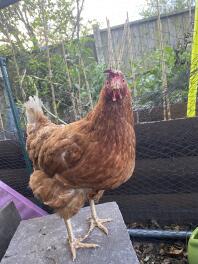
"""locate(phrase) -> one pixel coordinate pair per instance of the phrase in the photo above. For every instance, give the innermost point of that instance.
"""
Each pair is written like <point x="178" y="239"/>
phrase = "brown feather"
<point x="80" y="160"/>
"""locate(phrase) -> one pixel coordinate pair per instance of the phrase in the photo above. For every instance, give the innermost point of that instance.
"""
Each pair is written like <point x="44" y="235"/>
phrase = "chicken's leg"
<point x="95" y="221"/>
<point x="76" y="243"/>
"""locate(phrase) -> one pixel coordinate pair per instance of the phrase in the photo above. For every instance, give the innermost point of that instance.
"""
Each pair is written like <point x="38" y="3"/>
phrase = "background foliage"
<point x="49" y="53"/>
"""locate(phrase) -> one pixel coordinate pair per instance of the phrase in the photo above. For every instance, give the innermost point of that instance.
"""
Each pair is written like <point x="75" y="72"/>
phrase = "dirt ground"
<point x="160" y="252"/>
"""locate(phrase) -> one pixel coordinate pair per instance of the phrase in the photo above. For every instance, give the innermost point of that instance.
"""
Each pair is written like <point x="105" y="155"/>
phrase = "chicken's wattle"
<point x="116" y="94"/>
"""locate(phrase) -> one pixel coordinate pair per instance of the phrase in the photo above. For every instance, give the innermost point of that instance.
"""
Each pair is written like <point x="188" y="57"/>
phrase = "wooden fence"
<point x="176" y="28"/>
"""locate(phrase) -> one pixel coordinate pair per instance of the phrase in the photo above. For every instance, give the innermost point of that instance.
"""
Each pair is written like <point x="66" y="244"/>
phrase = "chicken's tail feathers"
<point x="33" y="109"/>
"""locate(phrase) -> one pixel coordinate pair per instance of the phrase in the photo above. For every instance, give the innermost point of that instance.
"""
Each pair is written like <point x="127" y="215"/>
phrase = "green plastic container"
<point x="193" y="247"/>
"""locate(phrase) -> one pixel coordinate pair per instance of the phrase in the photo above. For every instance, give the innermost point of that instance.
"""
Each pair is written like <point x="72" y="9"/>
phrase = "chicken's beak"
<point x="116" y="91"/>
<point x="115" y="86"/>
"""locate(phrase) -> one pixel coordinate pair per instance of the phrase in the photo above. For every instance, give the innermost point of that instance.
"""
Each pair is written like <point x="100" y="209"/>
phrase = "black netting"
<point x="13" y="170"/>
<point x="164" y="184"/>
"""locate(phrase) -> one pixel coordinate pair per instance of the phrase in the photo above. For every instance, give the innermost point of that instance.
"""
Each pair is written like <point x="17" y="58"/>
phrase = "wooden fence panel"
<point x="144" y="35"/>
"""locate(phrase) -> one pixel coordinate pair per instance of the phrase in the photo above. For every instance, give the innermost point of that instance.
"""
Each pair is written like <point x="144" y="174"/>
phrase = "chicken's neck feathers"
<point x="108" y="118"/>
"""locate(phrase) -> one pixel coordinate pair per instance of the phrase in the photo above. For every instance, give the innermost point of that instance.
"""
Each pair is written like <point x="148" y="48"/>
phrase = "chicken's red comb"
<point x="112" y="73"/>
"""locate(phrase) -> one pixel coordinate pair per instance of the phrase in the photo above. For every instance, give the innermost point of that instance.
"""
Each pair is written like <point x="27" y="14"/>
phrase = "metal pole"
<point x="159" y="234"/>
<point x="193" y="82"/>
<point x="14" y="112"/>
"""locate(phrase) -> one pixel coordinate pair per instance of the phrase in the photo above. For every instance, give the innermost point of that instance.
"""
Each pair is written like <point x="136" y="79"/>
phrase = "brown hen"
<point x="78" y="161"/>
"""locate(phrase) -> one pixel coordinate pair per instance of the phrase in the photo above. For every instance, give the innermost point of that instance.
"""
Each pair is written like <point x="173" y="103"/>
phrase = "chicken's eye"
<point x="107" y="83"/>
<point x="123" y="80"/>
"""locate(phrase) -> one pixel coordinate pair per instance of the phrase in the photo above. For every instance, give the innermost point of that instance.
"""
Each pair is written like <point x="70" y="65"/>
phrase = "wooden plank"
<point x="98" y="44"/>
<point x="162" y="176"/>
<point x="134" y="34"/>
<point x="167" y="140"/>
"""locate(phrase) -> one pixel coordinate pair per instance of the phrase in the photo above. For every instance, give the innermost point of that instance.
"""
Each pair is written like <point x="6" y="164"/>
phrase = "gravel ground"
<point x="159" y="252"/>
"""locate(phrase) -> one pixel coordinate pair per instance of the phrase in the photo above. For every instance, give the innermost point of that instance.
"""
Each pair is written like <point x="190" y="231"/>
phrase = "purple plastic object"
<point x="25" y="207"/>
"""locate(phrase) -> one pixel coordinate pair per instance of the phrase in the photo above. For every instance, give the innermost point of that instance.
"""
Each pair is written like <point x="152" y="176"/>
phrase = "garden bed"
<point x="161" y="252"/>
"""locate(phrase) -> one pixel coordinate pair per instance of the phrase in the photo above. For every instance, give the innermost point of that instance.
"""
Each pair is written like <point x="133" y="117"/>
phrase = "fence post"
<point x="14" y="111"/>
<point x="98" y="44"/>
<point x="166" y="104"/>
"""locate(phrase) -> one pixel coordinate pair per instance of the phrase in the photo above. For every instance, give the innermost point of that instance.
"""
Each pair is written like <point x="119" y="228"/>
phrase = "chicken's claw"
<point x="76" y="243"/>
<point x="99" y="224"/>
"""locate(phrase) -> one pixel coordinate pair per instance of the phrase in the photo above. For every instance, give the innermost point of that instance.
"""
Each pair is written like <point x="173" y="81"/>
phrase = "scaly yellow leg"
<point x="76" y="243"/>
<point x="95" y="221"/>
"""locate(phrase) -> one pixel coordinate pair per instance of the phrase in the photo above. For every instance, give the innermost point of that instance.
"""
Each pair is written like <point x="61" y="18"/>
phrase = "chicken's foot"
<point x="76" y="243"/>
<point x="95" y="221"/>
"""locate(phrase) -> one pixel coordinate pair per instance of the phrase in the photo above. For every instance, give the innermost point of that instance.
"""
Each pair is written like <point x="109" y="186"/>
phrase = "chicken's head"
<point x="115" y="85"/>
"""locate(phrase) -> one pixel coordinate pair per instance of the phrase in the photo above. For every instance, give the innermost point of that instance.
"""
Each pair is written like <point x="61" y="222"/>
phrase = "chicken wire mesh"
<point x="13" y="166"/>
<point x="164" y="185"/>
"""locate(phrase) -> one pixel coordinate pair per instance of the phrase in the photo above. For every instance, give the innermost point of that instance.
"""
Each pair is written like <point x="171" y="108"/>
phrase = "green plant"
<point x="148" y="77"/>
